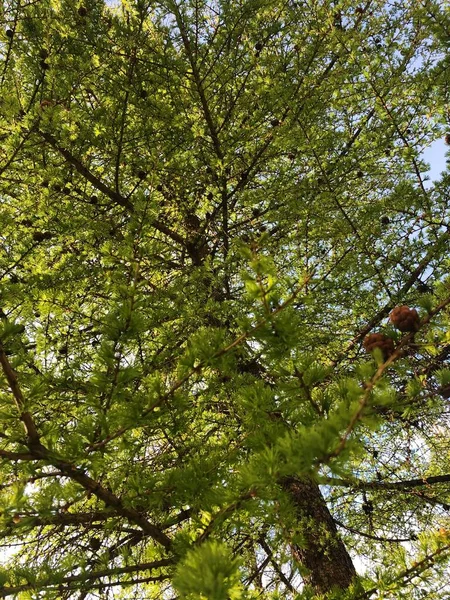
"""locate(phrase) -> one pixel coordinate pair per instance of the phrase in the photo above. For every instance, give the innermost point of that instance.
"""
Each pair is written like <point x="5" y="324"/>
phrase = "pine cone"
<point x="381" y="341"/>
<point x="405" y="318"/>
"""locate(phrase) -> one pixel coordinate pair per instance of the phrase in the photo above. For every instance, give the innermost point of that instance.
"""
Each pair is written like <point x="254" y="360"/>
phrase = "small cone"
<point x="381" y="341"/>
<point x="405" y="318"/>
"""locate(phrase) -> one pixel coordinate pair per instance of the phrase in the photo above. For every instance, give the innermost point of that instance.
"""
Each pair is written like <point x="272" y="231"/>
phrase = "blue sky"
<point x="434" y="155"/>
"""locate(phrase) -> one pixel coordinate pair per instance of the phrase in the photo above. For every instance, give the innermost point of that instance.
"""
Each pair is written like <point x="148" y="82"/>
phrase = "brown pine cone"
<point x="381" y="341"/>
<point x="405" y="318"/>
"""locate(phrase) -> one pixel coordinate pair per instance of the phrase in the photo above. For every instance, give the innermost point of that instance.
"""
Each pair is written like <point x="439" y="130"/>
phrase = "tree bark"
<point x="323" y="552"/>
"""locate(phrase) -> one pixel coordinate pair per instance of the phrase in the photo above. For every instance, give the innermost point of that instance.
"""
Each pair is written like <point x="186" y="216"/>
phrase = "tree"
<point x="209" y="211"/>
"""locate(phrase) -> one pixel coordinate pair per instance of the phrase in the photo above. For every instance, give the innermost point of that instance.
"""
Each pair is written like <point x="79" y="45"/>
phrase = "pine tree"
<point x="224" y="299"/>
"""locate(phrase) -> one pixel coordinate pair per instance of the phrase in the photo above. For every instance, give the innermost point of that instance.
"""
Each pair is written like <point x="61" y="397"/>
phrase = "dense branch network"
<point x="210" y="210"/>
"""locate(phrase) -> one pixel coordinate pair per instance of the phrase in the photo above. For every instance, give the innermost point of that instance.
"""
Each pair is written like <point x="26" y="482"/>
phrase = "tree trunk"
<point x="323" y="553"/>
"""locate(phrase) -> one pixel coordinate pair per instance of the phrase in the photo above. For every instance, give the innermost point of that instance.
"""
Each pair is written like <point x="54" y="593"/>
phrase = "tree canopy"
<point x="225" y="291"/>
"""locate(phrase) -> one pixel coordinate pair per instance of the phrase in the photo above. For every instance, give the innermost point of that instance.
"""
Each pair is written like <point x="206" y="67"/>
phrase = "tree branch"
<point x="17" y="455"/>
<point x="25" y="416"/>
<point x="104" y="494"/>
<point x="67" y="519"/>
<point x="377" y="538"/>
<point x="386" y="485"/>
<point x="70" y="470"/>
<point x="370" y="385"/>
<point x="408" y="574"/>
<point x="275" y="565"/>
<point x="84" y="171"/>
<point x="9" y="591"/>
<point x="434" y="248"/>
<point x="102" y="187"/>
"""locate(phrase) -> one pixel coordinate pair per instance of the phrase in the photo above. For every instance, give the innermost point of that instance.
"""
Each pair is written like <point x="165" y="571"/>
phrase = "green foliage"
<point x="206" y="207"/>
<point x="209" y="572"/>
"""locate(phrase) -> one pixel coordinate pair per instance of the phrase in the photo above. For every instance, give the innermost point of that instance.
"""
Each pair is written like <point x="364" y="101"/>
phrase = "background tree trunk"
<point x="323" y="554"/>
